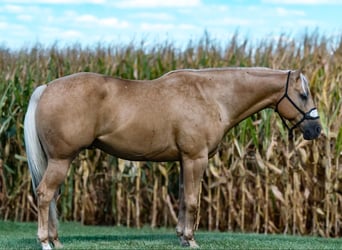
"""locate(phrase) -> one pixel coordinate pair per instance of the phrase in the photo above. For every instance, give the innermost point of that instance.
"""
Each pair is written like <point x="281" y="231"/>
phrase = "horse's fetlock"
<point x="188" y="234"/>
<point x="179" y="230"/>
<point x="43" y="237"/>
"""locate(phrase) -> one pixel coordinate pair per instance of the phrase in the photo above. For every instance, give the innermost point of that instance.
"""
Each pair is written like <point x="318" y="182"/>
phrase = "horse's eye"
<point x="304" y="97"/>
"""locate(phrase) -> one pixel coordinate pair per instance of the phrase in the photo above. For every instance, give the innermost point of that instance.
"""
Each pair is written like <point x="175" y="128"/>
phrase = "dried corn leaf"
<point x="306" y="193"/>
<point x="278" y="195"/>
<point x="163" y="170"/>
<point x="320" y="211"/>
<point x="121" y="165"/>
<point x="238" y="148"/>
<point x="221" y="181"/>
<point x="214" y="171"/>
<point x="301" y="144"/>
<point x="303" y="155"/>
<point x="315" y="154"/>
<point x="274" y="169"/>
<point x="270" y="149"/>
<point x="250" y="197"/>
<point x="217" y="160"/>
<point x="260" y="162"/>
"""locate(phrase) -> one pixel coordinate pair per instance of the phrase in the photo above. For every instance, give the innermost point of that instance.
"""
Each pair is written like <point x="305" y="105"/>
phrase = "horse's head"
<point x="297" y="106"/>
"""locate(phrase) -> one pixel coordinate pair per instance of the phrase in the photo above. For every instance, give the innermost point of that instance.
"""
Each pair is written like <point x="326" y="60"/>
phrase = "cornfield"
<point x="259" y="181"/>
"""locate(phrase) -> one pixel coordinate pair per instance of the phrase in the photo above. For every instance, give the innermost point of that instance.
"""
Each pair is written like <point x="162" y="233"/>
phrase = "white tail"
<point x="36" y="157"/>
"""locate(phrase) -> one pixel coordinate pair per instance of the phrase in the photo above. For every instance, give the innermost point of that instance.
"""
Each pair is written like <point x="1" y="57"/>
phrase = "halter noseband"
<point x="312" y="114"/>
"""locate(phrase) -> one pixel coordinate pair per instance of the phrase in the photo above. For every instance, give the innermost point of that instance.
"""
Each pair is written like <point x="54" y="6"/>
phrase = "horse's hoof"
<point x="46" y="246"/>
<point x="187" y="243"/>
<point x="57" y="244"/>
<point x="183" y="242"/>
<point x="193" y="244"/>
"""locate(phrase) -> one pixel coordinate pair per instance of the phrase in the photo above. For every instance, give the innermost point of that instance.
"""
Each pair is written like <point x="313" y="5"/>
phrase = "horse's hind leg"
<point x="53" y="177"/>
<point x="53" y="223"/>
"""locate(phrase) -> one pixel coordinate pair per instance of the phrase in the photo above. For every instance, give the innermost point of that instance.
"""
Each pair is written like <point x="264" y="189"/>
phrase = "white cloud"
<point x="27" y="10"/>
<point x="184" y="26"/>
<point x="11" y="8"/>
<point x="111" y="21"/>
<point x="32" y="2"/>
<point x="156" y="3"/>
<point x="155" y="16"/>
<point x="19" y="31"/>
<point x="84" y="18"/>
<point x="55" y="33"/>
<point x="237" y="21"/>
<point x="286" y="12"/>
<point x="25" y="18"/>
<point x="303" y="23"/>
<point x="71" y="34"/>
<point x="303" y="2"/>
<point x="3" y="25"/>
<point x="90" y="20"/>
<point x="156" y="26"/>
<point x="159" y="27"/>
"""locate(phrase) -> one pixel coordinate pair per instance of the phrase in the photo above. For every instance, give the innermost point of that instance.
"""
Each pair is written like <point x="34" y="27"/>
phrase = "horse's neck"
<point x="248" y="92"/>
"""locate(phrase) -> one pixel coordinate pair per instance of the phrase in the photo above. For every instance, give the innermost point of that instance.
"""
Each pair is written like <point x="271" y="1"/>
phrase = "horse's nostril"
<point x="312" y="133"/>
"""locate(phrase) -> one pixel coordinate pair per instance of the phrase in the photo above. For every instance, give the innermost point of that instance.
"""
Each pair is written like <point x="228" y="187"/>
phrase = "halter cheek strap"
<point x="312" y="114"/>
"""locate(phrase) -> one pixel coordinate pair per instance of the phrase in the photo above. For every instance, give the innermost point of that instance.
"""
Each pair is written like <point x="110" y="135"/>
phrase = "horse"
<point x="180" y="116"/>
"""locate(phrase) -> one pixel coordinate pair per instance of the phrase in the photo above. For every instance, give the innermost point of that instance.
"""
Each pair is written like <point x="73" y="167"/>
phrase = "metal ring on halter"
<point x="312" y="114"/>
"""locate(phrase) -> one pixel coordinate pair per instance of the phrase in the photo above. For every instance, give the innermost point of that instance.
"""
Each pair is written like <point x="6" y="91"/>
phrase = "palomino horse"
<point x="181" y="116"/>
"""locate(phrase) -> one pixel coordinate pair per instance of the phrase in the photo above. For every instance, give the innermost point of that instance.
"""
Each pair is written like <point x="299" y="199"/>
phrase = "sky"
<point x="24" y="23"/>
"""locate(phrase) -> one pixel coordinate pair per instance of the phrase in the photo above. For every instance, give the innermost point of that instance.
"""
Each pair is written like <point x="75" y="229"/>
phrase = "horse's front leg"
<point x="193" y="169"/>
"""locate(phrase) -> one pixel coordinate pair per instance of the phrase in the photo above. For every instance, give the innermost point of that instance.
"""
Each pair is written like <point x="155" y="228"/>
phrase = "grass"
<point x="15" y="235"/>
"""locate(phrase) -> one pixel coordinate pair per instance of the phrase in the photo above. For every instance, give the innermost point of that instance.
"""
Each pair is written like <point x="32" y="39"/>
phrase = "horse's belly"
<point x="138" y="150"/>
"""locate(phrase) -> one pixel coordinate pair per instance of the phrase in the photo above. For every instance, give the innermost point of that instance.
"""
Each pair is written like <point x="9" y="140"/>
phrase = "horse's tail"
<point x="36" y="156"/>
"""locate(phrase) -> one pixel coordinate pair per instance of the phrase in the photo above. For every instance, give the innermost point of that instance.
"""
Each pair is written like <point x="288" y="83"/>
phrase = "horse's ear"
<point x="298" y="72"/>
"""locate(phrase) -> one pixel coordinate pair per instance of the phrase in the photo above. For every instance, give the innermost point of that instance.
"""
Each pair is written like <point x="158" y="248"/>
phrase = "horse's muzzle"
<point x="311" y="130"/>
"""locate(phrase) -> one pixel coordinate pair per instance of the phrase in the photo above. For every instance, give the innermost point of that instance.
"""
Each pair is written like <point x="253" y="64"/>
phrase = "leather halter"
<point x="312" y="114"/>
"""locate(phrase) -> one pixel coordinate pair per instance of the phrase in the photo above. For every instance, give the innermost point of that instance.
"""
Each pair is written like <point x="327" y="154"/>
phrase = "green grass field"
<point x="15" y="235"/>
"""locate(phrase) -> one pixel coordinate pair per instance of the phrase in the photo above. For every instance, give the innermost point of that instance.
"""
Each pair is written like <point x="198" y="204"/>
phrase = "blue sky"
<point x="88" y="22"/>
